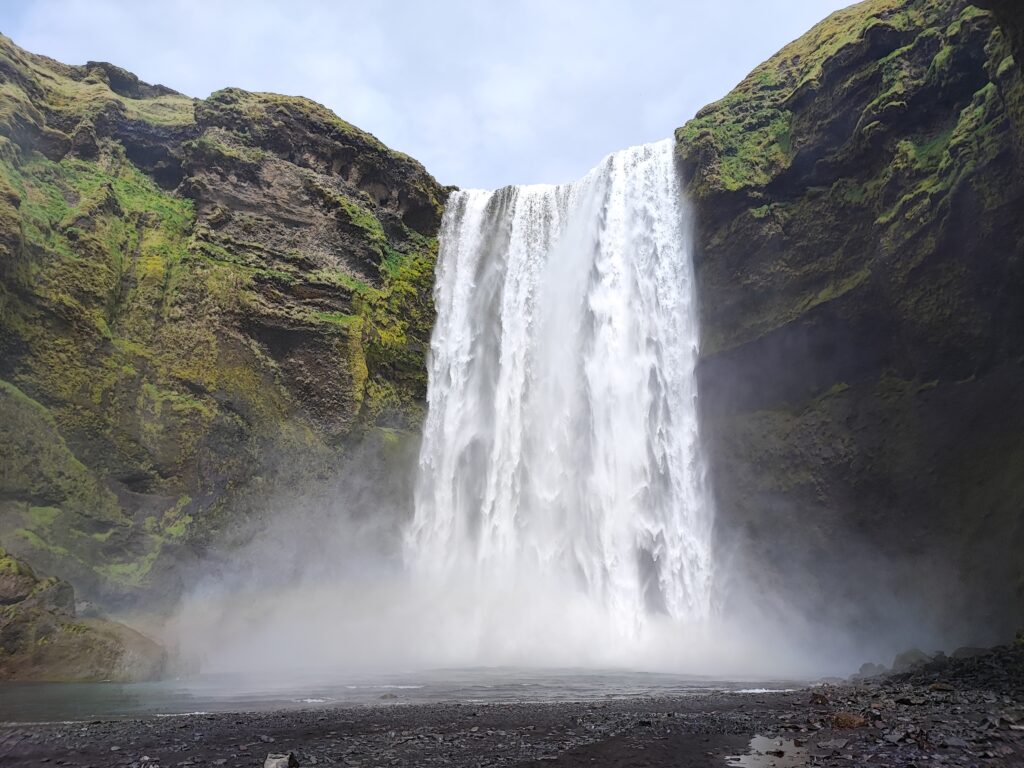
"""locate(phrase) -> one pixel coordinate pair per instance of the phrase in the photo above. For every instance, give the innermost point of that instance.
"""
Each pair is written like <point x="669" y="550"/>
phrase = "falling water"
<point x="562" y="440"/>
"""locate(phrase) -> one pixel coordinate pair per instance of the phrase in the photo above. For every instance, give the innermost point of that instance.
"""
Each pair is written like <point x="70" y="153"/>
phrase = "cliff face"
<point x="205" y="301"/>
<point x="860" y="206"/>
<point x="201" y="301"/>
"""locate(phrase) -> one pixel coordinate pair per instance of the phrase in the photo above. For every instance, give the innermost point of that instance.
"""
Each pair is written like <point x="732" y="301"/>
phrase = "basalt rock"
<point x="860" y="264"/>
<point x="41" y="638"/>
<point x="202" y="302"/>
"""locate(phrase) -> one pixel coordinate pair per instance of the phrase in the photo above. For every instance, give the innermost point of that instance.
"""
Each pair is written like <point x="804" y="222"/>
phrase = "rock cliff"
<point x="201" y="302"/>
<point x="204" y="302"/>
<point x="860" y="209"/>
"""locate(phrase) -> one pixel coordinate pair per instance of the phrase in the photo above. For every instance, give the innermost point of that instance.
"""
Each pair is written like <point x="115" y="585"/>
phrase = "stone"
<point x="281" y="761"/>
<point x="44" y="641"/>
<point x="908" y="660"/>
<point x="17" y="580"/>
<point x="833" y="744"/>
<point x="869" y="669"/>
<point x="848" y="720"/>
<point x="969" y="652"/>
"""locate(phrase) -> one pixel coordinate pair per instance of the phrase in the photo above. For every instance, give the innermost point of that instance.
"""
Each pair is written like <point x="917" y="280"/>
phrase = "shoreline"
<point x="946" y="712"/>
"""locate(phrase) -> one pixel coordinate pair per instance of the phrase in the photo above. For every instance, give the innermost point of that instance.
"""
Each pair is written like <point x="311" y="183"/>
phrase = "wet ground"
<point x="964" y="712"/>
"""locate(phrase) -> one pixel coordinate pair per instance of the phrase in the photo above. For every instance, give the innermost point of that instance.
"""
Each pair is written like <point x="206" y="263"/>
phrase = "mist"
<point x="325" y="590"/>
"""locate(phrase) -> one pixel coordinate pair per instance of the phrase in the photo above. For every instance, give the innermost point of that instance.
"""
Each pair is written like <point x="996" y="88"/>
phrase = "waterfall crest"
<point x="562" y="440"/>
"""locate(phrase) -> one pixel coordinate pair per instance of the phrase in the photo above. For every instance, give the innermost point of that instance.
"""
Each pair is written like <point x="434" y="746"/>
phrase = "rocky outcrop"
<point x="41" y="639"/>
<point x="858" y="199"/>
<point x="201" y="302"/>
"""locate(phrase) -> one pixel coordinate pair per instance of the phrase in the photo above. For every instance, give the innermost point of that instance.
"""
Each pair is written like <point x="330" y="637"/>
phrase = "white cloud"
<point x="483" y="93"/>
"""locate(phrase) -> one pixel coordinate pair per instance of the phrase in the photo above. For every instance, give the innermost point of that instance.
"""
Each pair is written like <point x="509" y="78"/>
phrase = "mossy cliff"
<point x="201" y="302"/>
<point x="859" y="200"/>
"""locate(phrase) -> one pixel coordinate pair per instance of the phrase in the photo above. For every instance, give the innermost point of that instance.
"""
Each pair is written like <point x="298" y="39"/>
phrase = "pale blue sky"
<point x="484" y="93"/>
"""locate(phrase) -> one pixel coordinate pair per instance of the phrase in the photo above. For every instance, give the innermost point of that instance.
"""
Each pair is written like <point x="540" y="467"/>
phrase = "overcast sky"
<point x="483" y="92"/>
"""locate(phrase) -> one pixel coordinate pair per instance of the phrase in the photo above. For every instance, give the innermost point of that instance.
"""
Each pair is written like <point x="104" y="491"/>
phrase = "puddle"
<point x="770" y="753"/>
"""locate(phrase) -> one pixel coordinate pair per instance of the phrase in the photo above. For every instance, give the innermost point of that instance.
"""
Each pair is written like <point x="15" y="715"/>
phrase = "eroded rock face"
<point x="40" y="638"/>
<point x="201" y="303"/>
<point x="861" y="268"/>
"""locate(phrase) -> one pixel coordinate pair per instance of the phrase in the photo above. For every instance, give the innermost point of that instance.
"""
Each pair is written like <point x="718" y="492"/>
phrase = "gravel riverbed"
<point x="948" y="712"/>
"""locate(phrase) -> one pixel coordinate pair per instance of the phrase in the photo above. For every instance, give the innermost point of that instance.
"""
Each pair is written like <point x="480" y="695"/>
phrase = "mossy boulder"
<point x="860" y="266"/>
<point x="41" y="640"/>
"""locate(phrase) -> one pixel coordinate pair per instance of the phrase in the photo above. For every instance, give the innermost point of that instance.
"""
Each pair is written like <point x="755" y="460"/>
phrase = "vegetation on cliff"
<point x="861" y="271"/>
<point x="200" y="301"/>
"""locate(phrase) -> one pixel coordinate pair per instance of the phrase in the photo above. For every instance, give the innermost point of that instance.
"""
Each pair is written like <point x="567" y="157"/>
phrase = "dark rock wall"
<point x="860" y="207"/>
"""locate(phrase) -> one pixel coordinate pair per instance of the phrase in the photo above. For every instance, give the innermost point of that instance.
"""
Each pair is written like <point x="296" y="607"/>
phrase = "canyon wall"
<point x="207" y="305"/>
<point x="202" y="302"/>
<point x="860" y="207"/>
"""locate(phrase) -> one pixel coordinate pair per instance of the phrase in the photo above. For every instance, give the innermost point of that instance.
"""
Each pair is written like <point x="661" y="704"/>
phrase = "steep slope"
<point x="201" y="301"/>
<point x="860" y="207"/>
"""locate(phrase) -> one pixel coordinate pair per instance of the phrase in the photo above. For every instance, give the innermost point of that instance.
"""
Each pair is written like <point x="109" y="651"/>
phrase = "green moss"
<point x="397" y="336"/>
<point x="216" y="145"/>
<point x="342" y="279"/>
<point x="84" y="97"/>
<point x="43" y="517"/>
<point x="745" y="140"/>
<point x="902" y="171"/>
<point x="354" y="217"/>
<point x="340" y="319"/>
<point x="133" y="573"/>
<point x="34" y="540"/>
<point x="36" y="463"/>
<point x="179" y="528"/>
<point x="251" y="113"/>
<point x="9" y="564"/>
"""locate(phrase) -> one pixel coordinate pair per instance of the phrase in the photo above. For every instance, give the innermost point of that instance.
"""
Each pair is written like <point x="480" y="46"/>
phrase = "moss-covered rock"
<point x="201" y="302"/>
<point x="861" y="269"/>
<point x="42" y="640"/>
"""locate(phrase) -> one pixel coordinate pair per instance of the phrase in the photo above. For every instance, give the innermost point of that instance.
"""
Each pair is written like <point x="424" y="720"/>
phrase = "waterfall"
<point x="561" y="442"/>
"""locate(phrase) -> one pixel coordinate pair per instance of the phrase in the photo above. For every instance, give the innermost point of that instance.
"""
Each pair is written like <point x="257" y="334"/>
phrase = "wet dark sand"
<point x="965" y="712"/>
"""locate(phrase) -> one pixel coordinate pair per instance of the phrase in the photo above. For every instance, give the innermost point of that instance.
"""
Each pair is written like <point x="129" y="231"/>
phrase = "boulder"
<point x="281" y="761"/>
<point x="969" y="652"/>
<point x="848" y="720"/>
<point x="869" y="669"/>
<point x="17" y="580"/>
<point x="42" y="640"/>
<point x="909" y="660"/>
